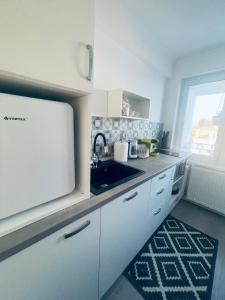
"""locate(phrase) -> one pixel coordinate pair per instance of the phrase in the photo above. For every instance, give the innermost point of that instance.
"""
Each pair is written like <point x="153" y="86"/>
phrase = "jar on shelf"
<point x="125" y="107"/>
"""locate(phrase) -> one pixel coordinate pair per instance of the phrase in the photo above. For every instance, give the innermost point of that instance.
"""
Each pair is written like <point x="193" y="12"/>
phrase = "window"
<point x="201" y="121"/>
<point x="205" y="123"/>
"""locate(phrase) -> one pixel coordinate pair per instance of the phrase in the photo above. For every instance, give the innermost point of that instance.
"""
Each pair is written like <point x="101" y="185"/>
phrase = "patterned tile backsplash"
<point x="113" y="127"/>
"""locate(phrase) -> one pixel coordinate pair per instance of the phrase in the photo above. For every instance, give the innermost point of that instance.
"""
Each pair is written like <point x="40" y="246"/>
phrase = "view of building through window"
<point x="205" y="123"/>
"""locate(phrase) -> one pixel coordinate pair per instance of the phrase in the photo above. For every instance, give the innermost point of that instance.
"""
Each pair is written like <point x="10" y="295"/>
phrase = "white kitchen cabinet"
<point x="137" y="107"/>
<point x="161" y="188"/>
<point x="56" y="267"/>
<point x="99" y="103"/>
<point x="47" y="40"/>
<point x="124" y="230"/>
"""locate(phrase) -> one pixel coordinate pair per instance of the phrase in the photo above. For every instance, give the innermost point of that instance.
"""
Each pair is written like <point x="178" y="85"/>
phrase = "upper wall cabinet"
<point x="124" y="104"/>
<point x="99" y="103"/>
<point x="51" y="41"/>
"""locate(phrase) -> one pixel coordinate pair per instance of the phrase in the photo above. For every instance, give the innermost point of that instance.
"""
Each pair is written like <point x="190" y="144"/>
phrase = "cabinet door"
<point x="56" y="267"/>
<point x="46" y="40"/>
<point x="124" y="230"/>
<point x="99" y="103"/>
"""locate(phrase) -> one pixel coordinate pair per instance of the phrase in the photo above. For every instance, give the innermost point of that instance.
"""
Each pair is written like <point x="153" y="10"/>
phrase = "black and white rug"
<point x="177" y="263"/>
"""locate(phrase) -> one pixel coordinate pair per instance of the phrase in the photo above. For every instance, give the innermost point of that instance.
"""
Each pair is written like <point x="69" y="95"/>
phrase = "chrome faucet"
<point x="95" y="157"/>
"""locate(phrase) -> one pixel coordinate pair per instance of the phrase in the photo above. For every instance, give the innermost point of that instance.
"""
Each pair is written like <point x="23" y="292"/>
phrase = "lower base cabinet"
<point x="124" y="230"/>
<point x="63" y="265"/>
<point x="78" y="262"/>
<point x="128" y="222"/>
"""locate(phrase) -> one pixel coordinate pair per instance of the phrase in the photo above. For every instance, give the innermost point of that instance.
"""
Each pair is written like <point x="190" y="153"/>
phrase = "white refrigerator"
<point x="36" y="152"/>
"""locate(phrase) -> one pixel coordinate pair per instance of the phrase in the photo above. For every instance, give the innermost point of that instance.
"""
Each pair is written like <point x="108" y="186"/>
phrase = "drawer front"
<point x="160" y="200"/>
<point x="160" y="181"/>
<point x="159" y="208"/>
<point x="158" y="214"/>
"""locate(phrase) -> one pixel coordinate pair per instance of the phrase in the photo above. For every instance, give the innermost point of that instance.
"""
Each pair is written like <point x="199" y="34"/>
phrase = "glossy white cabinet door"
<point x="46" y="40"/>
<point x="124" y="230"/>
<point x="56" y="268"/>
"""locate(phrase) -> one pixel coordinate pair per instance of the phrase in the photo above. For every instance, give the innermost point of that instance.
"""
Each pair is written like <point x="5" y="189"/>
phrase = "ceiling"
<point x="182" y="26"/>
<point x="168" y="28"/>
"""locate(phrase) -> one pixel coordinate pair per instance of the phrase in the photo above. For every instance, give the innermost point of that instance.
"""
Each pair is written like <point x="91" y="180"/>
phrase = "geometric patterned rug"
<point x="176" y="263"/>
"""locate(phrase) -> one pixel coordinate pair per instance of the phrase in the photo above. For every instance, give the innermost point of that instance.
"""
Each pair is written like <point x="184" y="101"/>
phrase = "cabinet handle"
<point x="82" y="227"/>
<point x="91" y="59"/>
<point x="157" y="212"/>
<point x="163" y="176"/>
<point x="130" y="197"/>
<point x="160" y="192"/>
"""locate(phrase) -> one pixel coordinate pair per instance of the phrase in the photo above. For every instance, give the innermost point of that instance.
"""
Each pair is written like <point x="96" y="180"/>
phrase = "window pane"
<point x="205" y="123"/>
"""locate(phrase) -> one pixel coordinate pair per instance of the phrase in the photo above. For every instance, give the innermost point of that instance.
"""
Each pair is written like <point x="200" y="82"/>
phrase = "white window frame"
<point x="184" y="107"/>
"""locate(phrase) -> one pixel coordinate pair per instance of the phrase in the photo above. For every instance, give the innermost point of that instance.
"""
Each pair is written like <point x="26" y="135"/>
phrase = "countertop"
<point x="22" y="238"/>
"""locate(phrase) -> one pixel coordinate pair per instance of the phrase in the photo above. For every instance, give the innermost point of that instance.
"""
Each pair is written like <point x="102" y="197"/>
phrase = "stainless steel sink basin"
<point x="110" y="174"/>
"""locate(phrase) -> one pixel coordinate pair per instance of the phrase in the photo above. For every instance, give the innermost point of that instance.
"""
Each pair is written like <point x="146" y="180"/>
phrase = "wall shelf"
<point x="138" y="107"/>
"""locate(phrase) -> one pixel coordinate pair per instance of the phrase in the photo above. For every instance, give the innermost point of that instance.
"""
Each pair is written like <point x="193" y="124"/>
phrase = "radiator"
<point x="207" y="187"/>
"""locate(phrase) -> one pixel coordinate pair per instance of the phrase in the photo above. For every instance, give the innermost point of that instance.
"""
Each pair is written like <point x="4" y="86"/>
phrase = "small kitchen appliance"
<point x="36" y="152"/>
<point x="132" y="149"/>
<point x="153" y="147"/>
<point x="151" y="144"/>
<point x="143" y="151"/>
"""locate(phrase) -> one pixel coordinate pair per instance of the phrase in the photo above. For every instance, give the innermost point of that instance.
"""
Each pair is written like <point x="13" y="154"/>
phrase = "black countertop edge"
<point x="26" y="236"/>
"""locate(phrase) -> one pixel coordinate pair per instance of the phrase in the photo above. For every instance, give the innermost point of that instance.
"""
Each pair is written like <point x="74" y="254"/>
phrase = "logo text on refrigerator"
<point x="14" y="118"/>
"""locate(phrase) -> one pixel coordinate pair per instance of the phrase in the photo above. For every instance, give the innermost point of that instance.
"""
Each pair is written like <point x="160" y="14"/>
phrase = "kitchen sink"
<point x="110" y="174"/>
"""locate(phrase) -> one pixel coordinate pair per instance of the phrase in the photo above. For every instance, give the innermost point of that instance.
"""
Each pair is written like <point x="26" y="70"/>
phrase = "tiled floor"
<point x="206" y="221"/>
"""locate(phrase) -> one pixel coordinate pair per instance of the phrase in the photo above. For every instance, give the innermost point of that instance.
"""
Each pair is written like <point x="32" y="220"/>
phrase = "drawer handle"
<point x="157" y="212"/>
<point x="130" y="197"/>
<point x="163" y="176"/>
<point x="79" y="229"/>
<point x="160" y="192"/>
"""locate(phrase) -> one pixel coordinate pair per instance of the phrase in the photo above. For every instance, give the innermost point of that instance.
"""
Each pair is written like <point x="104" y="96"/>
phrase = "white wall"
<point x="120" y="20"/>
<point x="117" y="67"/>
<point x="201" y="63"/>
